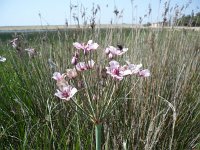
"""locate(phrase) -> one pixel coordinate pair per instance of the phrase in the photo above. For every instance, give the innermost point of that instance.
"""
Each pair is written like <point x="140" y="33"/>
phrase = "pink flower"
<point x="71" y="73"/>
<point x="74" y="60"/>
<point x="58" y="77"/>
<point x="78" y="45"/>
<point x="92" y="46"/>
<point x="144" y="73"/>
<point x="14" y="42"/>
<point x="134" y="68"/>
<point x="66" y="92"/>
<point x="86" y="47"/>
<point x="81" y="66"/>
<point x="31" y="52"/>
<point x="112" y="51"/>
<point x="117" y="71"/>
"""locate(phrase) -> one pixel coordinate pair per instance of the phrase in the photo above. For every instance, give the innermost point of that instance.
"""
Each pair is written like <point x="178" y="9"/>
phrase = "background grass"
<point x="161" y="112"/>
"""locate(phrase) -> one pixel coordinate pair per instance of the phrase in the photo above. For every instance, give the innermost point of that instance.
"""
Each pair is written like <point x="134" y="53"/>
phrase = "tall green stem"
<point x="98" y="136"/>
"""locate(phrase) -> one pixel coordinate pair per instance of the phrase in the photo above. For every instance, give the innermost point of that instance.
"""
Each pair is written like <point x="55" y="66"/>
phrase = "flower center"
<point x="116" y="71"/>
<point x="65" y="94"/>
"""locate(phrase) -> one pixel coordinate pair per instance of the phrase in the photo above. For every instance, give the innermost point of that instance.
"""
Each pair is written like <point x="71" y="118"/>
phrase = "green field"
<point x="159" y="112"/>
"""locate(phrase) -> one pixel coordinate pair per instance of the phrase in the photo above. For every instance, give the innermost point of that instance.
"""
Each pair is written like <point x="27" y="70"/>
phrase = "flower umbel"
<point x="97" y="95"/>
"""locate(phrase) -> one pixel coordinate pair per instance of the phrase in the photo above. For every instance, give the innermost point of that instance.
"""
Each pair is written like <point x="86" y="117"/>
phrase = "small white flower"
<point x="2" y="59"/>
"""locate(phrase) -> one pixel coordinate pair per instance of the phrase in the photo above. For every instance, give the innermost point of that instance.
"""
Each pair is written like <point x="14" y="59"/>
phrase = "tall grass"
<point x="162" y="112"/>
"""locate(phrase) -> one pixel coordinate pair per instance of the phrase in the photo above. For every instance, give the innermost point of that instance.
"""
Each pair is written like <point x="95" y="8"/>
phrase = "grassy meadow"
<point x="159" y="112"/>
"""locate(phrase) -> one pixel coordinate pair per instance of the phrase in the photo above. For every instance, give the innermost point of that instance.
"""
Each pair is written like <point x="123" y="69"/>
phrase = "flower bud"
<point x="74" y="60"/>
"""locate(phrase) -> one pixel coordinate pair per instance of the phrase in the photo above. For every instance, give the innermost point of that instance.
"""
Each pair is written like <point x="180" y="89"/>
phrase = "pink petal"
<point x="74" y="60"/>
<point x="144" y="73"/>
<point x="89" y="42"/>
<point x="59" y="94"/>
<point x="81" y="66"/>
<point x="107" y="50"/>
<point x="117" y="77"/>
<point x="127" y="72"/>
<point x="134" y="68"/>
<point x="91" y="46"/>
<point x="94" y="46"/>
<point x="73" y="91"/>
<point x="114" y="64"/>
<point x="57" y="76"/>
<point x="91" y="63"/>
<point x="125" y="49"/>
<point x="110" y="56"/>
<point x="116" y="51"/>
<point x="78" y="45"/>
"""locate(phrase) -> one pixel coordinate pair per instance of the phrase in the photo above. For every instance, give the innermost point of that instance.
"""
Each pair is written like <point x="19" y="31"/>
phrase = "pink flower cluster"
<point x="82" y="66"/>
<point x="113" y="51"/>
<point x="115" y="70"/>
<point x="17" y="45"/>
<point x="118" y="72"/>
<point x="64" y="91"/>
<point x="90" y="46"/>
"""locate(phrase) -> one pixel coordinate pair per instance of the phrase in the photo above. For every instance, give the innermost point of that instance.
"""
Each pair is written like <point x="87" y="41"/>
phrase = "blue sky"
<point x="55" y="12"/>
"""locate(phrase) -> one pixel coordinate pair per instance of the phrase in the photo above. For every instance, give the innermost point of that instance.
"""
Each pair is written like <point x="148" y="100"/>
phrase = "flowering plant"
<point x="19" y="46"/>
<point x="95" y="84"/>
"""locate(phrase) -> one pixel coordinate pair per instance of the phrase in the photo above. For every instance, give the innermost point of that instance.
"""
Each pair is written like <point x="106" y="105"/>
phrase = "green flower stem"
<point x="81" y="109"/>
<point x="107" y="104"/>
<point x="88" y="98"/>
<point x="98" y="135"/>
